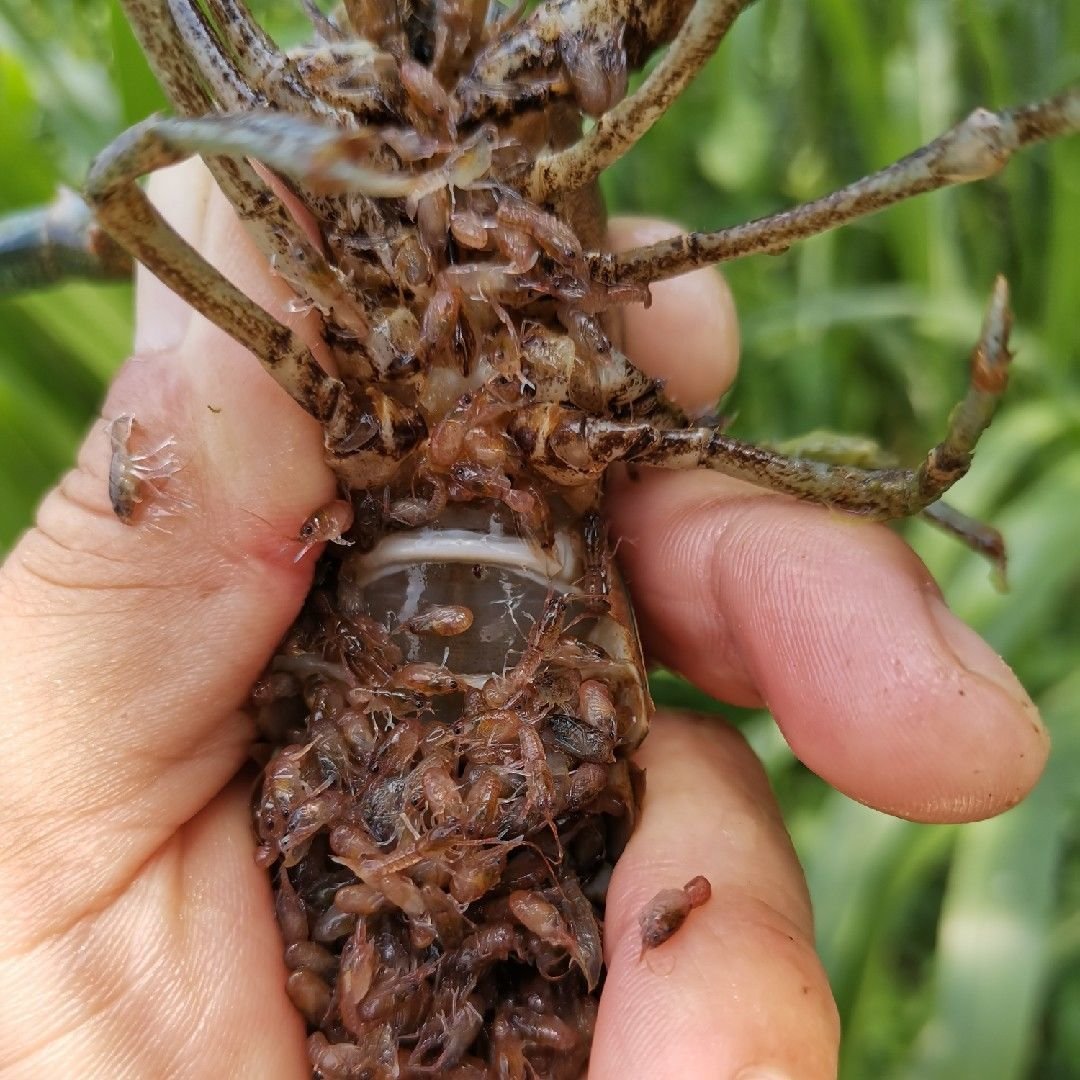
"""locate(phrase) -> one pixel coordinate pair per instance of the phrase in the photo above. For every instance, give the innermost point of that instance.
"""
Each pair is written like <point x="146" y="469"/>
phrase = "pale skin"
<point x="137" y="935"/>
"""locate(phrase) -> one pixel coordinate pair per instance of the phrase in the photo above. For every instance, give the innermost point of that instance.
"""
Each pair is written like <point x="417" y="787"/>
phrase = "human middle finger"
<point x="737" y="993"/>
<point x="689" y="335"/>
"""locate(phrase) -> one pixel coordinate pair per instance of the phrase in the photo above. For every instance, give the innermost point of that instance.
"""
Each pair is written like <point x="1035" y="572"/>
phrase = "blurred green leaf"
<point x="29" y="178"/>
<point x="139" y="92"/>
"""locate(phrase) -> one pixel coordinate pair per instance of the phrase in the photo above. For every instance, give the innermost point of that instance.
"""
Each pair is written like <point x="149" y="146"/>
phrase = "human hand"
<point x="836" y="626"/>
<point x="137" y="936"/>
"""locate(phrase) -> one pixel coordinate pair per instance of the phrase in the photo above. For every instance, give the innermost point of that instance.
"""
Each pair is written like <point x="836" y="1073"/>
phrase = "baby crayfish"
<point x="134" y="476"/>
<point x="668" y="909"/>
<point x="329" y="523"/>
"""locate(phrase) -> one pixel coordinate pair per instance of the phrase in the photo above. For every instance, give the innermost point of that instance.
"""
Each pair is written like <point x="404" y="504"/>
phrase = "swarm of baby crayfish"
<point x="443" y="849"/>
<point x="454" y="710"/>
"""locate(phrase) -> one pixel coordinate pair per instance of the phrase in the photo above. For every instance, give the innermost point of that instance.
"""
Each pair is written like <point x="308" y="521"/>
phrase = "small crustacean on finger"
<point x="329" y="523"/>
<point x="667" y="911"/>
<point x="134" y="477"/>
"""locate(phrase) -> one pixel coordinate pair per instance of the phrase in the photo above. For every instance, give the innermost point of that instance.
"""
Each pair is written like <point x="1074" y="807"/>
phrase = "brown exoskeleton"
<point x="454" y="712"/>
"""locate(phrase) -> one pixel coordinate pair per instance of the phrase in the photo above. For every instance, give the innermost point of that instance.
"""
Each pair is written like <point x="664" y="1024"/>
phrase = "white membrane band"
<point x="399" y="551"/>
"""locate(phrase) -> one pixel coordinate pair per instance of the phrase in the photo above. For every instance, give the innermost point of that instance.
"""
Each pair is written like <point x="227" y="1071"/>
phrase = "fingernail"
<point x="975" y="656"/>
<point x="762" y="1072"/>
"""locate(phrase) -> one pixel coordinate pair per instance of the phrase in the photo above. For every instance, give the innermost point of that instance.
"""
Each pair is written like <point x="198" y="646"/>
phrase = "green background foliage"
<point x="953" y="952"/>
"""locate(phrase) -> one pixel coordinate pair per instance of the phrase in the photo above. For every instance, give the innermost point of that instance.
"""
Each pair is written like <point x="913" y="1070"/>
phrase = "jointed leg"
<point x="123" y="209"/>
<point x="179" y="76"/>
<point x="312" y="153"/>
<point x="326" y="29"/>
<point x="362" y="434"/>
<point x="163" y="48"/>
<point x="981" y="538"/>
<point x="566" y="444"/>
<point x="184" y="51"/>
<point x="976" y="148"/>
<point x="273" y="230"/>
<point x="167" y="52"/>
<point x="62" y="240"/>
<point x="623" y="125"/>
<point x="259" y="60"/>
<point x="834" y="449"/>
<point x="285" y="247"/>
<point x="224" y="78"/>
